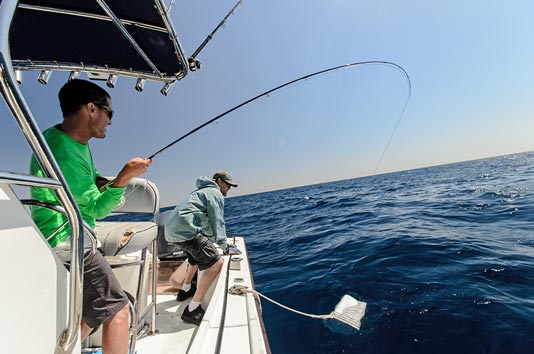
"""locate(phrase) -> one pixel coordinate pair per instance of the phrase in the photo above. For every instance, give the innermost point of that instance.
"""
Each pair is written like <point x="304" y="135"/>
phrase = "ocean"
<point x="443" y="256"/>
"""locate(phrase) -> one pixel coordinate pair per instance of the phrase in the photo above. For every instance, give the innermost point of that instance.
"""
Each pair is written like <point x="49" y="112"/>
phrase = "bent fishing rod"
<point x="266" y="93"/>
<point x="305" y="77"/>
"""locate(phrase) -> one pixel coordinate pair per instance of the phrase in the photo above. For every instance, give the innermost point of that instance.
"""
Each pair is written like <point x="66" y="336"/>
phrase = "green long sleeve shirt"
<point x="76" y="163"/>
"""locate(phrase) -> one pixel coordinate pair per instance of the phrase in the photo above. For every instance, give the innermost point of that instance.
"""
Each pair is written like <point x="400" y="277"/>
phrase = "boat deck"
<point x="173" y="334"/>
<point x="232" y="323"/>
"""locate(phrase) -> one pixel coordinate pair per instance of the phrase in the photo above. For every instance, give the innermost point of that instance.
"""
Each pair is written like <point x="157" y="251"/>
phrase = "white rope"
<point x="349" y="310"/>
<point x="242" y="290"/>
<point x="324" y="317"/>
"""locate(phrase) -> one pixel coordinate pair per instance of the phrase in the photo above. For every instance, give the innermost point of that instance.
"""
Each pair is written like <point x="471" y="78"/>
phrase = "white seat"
<point x="120" y="238"/>
<point x="141" y="196"/>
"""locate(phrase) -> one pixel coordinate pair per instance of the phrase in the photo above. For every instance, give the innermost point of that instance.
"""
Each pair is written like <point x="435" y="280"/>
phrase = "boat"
<point x="41" y="301"/>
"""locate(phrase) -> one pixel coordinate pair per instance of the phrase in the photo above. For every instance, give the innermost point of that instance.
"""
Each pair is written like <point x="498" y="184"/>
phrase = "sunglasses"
<point x="227" y="184"/>
<point x="106" y="109"/>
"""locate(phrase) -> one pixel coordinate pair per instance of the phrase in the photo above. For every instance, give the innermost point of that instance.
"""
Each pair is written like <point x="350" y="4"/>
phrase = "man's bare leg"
<point x="115" y="333"/>
<point x="204" y="282"/>
<point x="86" y="330"/>
<point x="178" y="277"/>
<point x="191" y="270"/>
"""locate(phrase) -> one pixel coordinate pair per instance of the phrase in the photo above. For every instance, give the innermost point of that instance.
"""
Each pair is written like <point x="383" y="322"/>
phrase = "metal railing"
<point x="23" y="116"/>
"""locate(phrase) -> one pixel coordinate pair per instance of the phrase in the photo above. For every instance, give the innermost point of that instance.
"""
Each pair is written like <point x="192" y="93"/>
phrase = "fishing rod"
<point x="194" y="63"/>
<point x="266" y="93"/>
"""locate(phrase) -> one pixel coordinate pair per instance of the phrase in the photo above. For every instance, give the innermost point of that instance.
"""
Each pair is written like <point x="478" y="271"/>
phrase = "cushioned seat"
<point x="118" y="238"/>
<point x="141" y="196"/>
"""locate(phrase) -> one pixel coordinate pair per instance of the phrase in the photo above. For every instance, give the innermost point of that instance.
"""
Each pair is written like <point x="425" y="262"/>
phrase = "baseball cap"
<point x="225" y="176"/>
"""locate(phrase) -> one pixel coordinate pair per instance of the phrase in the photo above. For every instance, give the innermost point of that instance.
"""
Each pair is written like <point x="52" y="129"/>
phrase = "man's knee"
<point x="122" y="316"/>
<point x="125" y="312"/>
<point x="219" y="264"/>
<point x="216" y="267"/>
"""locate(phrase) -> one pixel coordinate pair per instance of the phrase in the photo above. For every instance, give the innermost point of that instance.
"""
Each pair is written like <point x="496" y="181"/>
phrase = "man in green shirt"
<point x="87" y="111"/>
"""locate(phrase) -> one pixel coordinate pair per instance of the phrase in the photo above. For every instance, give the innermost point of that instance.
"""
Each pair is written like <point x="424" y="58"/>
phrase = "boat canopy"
<point x="101" y="37"/>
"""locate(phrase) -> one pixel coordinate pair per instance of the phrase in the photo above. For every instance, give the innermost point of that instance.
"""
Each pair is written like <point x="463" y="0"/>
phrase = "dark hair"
<point x="76" y="93"/>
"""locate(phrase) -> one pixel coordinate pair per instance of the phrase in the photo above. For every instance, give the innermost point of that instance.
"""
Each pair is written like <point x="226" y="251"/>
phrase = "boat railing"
<point x="23" y="116"/>
<point x="28" y="180"/>
<point x="41" y="182"/>
<point x="59" y="209"/>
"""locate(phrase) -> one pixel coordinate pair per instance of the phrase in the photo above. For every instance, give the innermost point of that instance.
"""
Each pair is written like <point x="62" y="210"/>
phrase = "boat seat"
<point x="141" y="196"/>
<point x="167" y="250"/>
<point x="120" y="238"/>
<point x="125" y="237"/>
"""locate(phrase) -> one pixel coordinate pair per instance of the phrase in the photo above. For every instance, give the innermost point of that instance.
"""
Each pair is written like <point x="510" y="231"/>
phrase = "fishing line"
<point x="395" y="127"/>
<point x="305" y="77"/>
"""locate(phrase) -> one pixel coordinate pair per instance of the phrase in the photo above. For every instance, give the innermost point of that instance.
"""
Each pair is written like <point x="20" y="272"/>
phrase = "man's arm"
<point x="81" y="182"/>
<point x="133" y="168"/>
<point x="107" y="199"/>
<point x="215" y="209"/>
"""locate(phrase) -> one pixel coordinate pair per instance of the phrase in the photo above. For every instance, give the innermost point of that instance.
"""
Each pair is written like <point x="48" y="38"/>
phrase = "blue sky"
<point x="471" y="65"/>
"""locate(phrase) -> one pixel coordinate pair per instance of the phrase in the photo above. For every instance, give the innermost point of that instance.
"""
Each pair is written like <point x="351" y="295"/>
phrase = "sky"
<point x="471" y="65"/>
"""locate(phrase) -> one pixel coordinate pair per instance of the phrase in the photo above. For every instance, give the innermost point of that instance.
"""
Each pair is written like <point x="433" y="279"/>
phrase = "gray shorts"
<point x="200" y="251"/>
<point x="103" y="296"/>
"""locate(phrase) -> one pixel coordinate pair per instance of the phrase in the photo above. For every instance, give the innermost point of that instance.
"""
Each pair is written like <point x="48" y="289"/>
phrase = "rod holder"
<point x="165" y="89"/>
<point x="139" y="85"/>
<point x="44" y="76"/>
<point x="112" y="79"/>
<point x="194" y="64"/>
<point x="73" y="75"/>
<point x="18" y="76"/>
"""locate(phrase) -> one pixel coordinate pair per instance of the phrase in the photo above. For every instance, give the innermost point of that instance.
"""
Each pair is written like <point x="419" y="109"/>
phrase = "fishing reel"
<point x="194" y="64"/>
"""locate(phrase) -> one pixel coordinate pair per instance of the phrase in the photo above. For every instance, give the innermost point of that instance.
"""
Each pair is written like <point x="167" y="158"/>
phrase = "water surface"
<point x="443" y="256"/>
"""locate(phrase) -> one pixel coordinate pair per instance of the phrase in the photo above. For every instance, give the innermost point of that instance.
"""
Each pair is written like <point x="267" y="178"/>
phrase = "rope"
<point x="241" y="290"/>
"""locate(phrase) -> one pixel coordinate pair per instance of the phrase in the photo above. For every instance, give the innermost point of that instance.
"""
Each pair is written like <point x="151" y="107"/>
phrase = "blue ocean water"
<point x="443" y="257"/>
